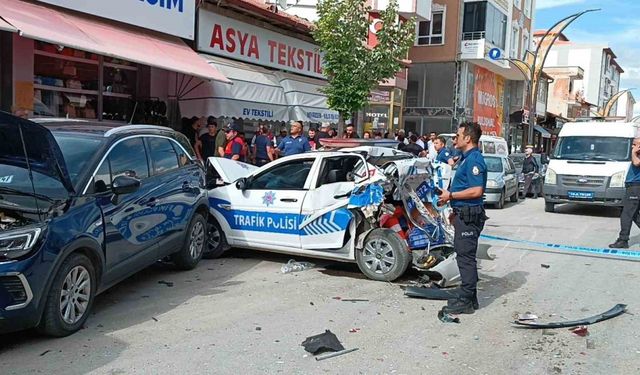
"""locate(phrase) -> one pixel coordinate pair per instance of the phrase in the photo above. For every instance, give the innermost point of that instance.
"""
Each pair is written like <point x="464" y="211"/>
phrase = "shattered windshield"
<point x="593" y="148"/>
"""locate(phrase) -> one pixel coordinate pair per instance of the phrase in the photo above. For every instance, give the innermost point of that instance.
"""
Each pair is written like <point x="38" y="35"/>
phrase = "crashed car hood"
<point x="231" y="170"/>
<point x="43" y="154"/>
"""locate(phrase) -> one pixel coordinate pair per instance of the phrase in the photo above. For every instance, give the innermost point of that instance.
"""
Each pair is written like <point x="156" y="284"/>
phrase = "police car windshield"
<point x="593" y="148"/>
<point x="494" y="164"/>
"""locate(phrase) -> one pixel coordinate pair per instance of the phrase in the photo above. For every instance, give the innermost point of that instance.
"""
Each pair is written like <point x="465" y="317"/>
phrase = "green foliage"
<point x="352" y="68"/>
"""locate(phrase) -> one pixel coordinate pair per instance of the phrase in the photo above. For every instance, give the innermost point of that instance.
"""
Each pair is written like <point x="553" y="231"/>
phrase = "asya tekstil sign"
<point x="219" y="35"/>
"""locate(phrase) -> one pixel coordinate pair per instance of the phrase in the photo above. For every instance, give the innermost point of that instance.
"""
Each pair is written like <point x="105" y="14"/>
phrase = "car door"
<point x="128" y="218"/>
<point x="266" y="211"/>
<point x="510" y="178"/>
<point x="177" y="183"/>
<point x="325" y="219"/>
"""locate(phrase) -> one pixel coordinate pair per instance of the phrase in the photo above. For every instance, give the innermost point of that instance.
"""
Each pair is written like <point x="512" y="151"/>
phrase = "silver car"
<point x="502" y="182"/>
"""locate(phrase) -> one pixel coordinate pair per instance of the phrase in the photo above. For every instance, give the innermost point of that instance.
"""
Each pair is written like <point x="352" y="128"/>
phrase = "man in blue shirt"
<point x="631" y="201"/>
<point x="469" y="217"/>
<point x="295" y="142"/>
<point x="262" y="148"/>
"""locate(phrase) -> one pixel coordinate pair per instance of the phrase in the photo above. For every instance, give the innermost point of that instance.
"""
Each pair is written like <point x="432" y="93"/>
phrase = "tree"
<point x="353" y="68"/>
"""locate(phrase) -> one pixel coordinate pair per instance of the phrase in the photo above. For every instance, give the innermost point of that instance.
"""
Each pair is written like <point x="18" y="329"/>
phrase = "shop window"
<point x="431" y="32"/>
<point x="67" y="83"/>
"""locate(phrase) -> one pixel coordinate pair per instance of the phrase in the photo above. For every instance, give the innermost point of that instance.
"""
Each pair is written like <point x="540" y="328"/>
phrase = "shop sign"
<point x="219" y="35"/>
<point x="323" y="116"/>
<point x="174" y="17"/>
<point x="486" y="103"/>
<point x="472" y="49"/>
<point x="378" y="96"/>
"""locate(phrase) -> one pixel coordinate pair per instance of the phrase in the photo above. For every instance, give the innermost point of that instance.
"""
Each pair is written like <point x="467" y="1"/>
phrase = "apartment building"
<point x="601" y="78"/>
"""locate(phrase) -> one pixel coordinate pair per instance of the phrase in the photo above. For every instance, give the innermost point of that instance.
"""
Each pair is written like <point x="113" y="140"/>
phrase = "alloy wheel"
<point x="196" y="240"/>
<point x="75" y="294"/>
<point x="214" y="238"/>
<point x="378" y="256"/>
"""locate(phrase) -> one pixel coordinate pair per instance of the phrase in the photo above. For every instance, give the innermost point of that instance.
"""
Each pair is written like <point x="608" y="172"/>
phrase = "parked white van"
<point x="589" y="164"/>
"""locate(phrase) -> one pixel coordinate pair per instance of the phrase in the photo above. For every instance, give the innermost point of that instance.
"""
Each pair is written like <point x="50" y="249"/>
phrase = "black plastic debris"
<point x="335" y="354"/>
<point x="616" y="310"/>
<point x="446" y="318"/>
<point x="544" y="265"/>
<point x="432" y="293"/>
<point x="354" y="300"/>
<point x="324" y="342"/>
<point x="167" y="283"/>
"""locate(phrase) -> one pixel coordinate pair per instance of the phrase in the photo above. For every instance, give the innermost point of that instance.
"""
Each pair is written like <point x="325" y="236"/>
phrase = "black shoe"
<point x="459" y="306"/>
<point x="474" y="301"/>
<point x="535" y="196"/>
<point x="620" y="244"/>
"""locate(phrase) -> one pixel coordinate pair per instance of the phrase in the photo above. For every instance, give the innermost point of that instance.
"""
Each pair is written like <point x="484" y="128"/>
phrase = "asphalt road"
<point x="240" y="315"/>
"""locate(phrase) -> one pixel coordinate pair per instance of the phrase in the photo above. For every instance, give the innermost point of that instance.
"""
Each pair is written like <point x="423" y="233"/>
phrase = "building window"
<point x="515" y="34"/>
<point x="482" y="20"/>
<point x="517" y="3"/>
<point x="432" y="32"/>
<point x="525" y="43"/>
<point x="527" y="8"/>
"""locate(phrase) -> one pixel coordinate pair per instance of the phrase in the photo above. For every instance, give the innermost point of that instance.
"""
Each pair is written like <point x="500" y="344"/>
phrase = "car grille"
<point x="583" y="181"/>
<point x="12" y="285"/>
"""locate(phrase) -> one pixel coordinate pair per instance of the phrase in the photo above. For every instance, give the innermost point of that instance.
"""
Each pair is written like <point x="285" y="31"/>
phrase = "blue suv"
<point x="85" y="205"/>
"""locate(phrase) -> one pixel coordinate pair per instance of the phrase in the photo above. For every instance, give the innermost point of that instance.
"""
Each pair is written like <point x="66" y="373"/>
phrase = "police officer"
<point x="631" y="202"/>
<point x="295" y="142"/>
<point x="469" y="217"/>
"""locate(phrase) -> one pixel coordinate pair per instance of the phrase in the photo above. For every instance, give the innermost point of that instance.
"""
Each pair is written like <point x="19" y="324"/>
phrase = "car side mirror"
<point x="242" y="184"/>
<point x="125" y="185"/>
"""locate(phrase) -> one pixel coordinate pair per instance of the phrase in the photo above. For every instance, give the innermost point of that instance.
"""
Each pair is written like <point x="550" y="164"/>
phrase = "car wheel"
<point x="514" y="197"/>
<point x="549" y="207"/>
<point x="384" y="257"/>
<point x="191" y="253"/>
<point x="70" y="297"/>
<point x="216" y="242"/>
<point x="500" y="203"/>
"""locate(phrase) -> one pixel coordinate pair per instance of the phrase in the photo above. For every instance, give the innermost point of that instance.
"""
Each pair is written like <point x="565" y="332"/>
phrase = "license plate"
<point x="580" y="194"/>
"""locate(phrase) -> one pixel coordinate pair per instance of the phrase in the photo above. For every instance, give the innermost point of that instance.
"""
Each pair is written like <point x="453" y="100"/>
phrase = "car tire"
<point x="514" y="197"/>
<point x="549" y="207"/>
<point x="500" y="203"/>
<point x="216" y="241"/>
<point x="194" y="243"/>
<point x="76" y="280"/>
<point x="384" y="256"/>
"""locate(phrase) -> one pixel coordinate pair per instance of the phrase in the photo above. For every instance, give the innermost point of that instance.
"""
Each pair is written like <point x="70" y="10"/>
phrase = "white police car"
<point x="319" y="204"/>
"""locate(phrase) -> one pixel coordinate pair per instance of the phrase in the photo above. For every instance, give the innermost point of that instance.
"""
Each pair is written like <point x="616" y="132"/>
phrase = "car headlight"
<point x="493" y="184"/>
<point x="617" y="180"/>
<point x="551" y="177"/>
<point x="17" y="243"/>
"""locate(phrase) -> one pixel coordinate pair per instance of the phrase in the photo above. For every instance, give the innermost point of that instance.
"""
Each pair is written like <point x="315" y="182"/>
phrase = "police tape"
<point x="580" y="250"/>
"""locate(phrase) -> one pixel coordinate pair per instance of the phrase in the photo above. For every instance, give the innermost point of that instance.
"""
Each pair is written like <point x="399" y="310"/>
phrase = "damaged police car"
<point x="84" y="205"/>
<point x="336" y="205"/>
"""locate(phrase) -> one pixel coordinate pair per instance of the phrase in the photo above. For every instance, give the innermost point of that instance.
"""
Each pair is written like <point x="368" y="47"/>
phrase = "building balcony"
<point x="476" y="35"/>
<point x="420" y="9"/>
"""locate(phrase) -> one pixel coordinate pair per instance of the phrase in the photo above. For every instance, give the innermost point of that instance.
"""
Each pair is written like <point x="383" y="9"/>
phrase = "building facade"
<point x="457" y="72"/>
<point x="601" y="77"/>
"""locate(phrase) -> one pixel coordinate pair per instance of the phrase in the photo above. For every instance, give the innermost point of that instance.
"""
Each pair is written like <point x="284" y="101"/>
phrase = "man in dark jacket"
<point x="530" y="169"/>
<point x="413" y="147"/>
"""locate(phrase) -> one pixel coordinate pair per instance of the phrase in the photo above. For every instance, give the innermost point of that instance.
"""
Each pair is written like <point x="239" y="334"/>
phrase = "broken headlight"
<point x="15" y="244"/>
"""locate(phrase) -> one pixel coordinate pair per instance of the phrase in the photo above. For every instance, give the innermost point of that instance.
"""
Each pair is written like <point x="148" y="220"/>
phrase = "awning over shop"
<point x="306" y="101"/>
<point x="255" y="94"/>
<point x="105" y="38"/>
<point x="4" y="26"/>
<point x="544" y="132"/>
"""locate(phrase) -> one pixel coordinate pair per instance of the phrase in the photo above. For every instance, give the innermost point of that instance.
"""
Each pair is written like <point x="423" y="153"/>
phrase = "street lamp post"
<point x="531" y="65"/>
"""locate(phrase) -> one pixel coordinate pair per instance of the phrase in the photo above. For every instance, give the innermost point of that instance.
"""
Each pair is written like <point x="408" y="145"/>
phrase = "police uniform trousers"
<point x="630" y="206"/>
<point x="468" y="223"/>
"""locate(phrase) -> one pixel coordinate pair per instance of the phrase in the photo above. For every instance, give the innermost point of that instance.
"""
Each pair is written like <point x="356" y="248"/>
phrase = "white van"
<point x="489" y="144"/>
<point x="589" y="164"/>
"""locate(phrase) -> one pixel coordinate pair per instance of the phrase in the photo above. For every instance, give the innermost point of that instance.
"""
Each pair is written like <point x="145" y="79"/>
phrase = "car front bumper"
<point x="602" y="196"/>
<point x="492" y="196"/>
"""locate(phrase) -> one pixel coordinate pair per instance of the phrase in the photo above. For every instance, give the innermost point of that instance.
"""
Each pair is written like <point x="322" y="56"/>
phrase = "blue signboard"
<point x="495" y="53"/>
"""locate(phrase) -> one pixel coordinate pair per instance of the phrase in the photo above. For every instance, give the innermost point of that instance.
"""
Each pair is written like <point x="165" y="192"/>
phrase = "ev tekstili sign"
<point x="223" y="36"/>
<point x="173" y="17"/>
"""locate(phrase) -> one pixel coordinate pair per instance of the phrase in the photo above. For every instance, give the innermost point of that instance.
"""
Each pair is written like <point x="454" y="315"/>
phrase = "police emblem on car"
<point x="268" y="198"/>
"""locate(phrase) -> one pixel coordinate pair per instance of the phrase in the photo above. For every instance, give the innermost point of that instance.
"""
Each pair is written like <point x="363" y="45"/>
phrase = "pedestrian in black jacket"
<point x="530" y="169"/>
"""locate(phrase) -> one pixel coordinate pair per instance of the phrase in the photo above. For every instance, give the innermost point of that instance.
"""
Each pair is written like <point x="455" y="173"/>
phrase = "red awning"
<point x="105" y="38"/>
